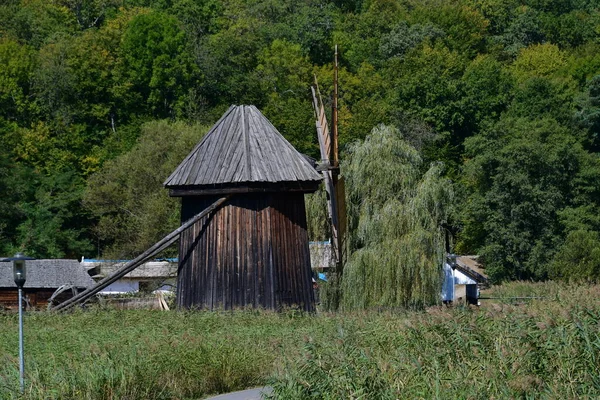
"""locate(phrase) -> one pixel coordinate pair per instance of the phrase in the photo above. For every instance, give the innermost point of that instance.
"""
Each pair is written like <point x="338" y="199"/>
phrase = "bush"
<point x="578" y="259"/>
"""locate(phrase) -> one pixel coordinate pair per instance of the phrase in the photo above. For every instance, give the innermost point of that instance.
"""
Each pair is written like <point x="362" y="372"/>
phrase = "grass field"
<point x="547" y="348"/>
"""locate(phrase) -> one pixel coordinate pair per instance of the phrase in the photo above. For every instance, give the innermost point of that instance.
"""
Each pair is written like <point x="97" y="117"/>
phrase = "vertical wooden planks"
<point x="253" y="252"/>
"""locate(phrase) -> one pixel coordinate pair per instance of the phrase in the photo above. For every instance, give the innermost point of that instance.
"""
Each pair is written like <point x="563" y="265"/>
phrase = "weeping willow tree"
<point x="396" y="209"/>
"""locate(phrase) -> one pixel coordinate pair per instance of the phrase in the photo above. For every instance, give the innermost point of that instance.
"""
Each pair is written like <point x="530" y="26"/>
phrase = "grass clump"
<point x="143" y="354"/>
<point x="548" y="349"/>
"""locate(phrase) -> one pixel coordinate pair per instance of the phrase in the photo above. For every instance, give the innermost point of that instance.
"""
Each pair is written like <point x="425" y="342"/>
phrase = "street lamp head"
<point x="19" y="272"/>
<point x="19" y="268"/>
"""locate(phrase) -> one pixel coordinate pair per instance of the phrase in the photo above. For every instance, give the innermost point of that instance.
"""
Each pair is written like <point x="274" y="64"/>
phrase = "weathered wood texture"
<point x="36" y="298"/>
<point x="330" y="171"/>
<point x="144" y="257"/>
<point x="252" y="252"/>
<point x="232" y="188"/>
<point x="242" y="147"/>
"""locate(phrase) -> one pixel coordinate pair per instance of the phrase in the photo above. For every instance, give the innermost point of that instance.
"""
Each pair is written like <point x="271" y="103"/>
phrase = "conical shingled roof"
<point x="242" y="147"/>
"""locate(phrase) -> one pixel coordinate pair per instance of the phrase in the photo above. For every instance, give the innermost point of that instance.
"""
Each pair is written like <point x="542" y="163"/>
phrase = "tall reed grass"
<point x="144" y="354"/>
<point x="547" y="348"/>
<point x="543" y="348"/>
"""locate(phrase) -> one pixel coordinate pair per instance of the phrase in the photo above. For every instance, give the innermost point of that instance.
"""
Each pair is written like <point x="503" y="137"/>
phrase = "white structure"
<point x="461" y="280"/>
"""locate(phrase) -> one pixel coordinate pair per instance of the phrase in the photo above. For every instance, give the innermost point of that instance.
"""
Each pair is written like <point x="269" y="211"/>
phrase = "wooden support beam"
<point x="326" y="166"/>
<point x="139" y="260"/>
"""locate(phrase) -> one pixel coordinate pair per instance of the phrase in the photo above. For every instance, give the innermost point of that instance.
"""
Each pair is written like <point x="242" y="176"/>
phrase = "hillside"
<point x="503" y="95"/>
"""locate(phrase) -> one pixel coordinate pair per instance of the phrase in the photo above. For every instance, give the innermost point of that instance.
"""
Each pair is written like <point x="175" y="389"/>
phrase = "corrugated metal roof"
<point x="48" y="274"/>
<point x="242" y="147"/>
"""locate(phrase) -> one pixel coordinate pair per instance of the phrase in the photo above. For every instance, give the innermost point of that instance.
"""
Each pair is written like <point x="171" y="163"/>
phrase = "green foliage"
<point x="522" y="31"/>
<point x="155" y="67"/>
<point x="404" y="38"/>
<point x="570" y="29"/>
<point x="35" y="21"/>
<point x="521" y="175"/>
<point x="578" y="259"/>
<point x="584" y="63"/>
<point x="283" y="71"/>
<point x="11" y="186"/>
<point x="345" y="372"/>
<point x="499" y="13"/>
<point x="544" y="60"/>
<point x="359" y="35"/>
<point x="55" y="226"/>
<point x="90" y="13"/>
<point x="588" y="115"/>
<point x="464" y="27"/>
<point x="198" y="17"/>
<point x="16" y="66"/>
<point x="317" y="215"/>
<point x="487" y="92"/>
<point x="395" y="212"/>
<point x="429" y="86"/>
<point x="78" y="79"/>
<point x="133" y="209"/>
<point x="501" y="351"/>
<point x="145" y="355"/>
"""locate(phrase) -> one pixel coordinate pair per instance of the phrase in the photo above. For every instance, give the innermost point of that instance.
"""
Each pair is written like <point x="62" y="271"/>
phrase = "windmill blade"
<point x="330" y="169"/>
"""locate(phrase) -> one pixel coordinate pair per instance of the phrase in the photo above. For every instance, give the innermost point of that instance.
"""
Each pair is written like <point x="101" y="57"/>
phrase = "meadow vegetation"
<point x="529" y="349"/>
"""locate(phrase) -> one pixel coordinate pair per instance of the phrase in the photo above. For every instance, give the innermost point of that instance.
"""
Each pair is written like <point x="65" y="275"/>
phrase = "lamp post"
<point x="20" y="275"/>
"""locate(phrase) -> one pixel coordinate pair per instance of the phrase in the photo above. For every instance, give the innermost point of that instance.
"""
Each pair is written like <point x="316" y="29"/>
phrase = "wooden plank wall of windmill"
<point x="253" y="252"/>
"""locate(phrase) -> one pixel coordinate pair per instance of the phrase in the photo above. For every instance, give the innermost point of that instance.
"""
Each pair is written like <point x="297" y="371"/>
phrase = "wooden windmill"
<point x="243" y="240"/>
<point x="330" y="168"/>
<point x="253" y="251"/>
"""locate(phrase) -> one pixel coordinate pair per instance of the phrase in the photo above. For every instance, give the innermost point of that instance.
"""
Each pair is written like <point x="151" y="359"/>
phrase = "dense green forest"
<point x="100" y="100"/>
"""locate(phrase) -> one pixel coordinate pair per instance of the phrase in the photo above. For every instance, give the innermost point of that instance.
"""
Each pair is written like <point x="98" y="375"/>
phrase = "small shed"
<point x="463" y="278"/>
<point x="252" y="251"/>
<point x="150" y="276"/>
<point x="44" y="277"/>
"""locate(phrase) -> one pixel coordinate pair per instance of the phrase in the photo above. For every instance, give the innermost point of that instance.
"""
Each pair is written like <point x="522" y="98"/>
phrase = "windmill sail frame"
<point x="329" y="166"/>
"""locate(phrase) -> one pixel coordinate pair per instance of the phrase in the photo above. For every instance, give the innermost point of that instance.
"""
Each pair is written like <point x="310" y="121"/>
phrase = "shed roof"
<point x="149" y="270"/>
<point x="48" y="274"/>
<point x="470" y="266"/>
<point x="243" y="147"/>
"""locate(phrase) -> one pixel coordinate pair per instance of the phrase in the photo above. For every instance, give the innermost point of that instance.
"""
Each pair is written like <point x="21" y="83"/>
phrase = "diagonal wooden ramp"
<point x="139" y="260"/>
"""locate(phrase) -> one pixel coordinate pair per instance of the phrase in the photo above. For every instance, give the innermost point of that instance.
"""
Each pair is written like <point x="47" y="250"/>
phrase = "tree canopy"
<point x="397" y="209"/>
<point x="503" y="93"/>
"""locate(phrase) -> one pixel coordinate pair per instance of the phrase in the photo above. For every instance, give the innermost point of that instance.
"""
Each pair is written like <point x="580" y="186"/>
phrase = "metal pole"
<point x="21" y="358"/>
